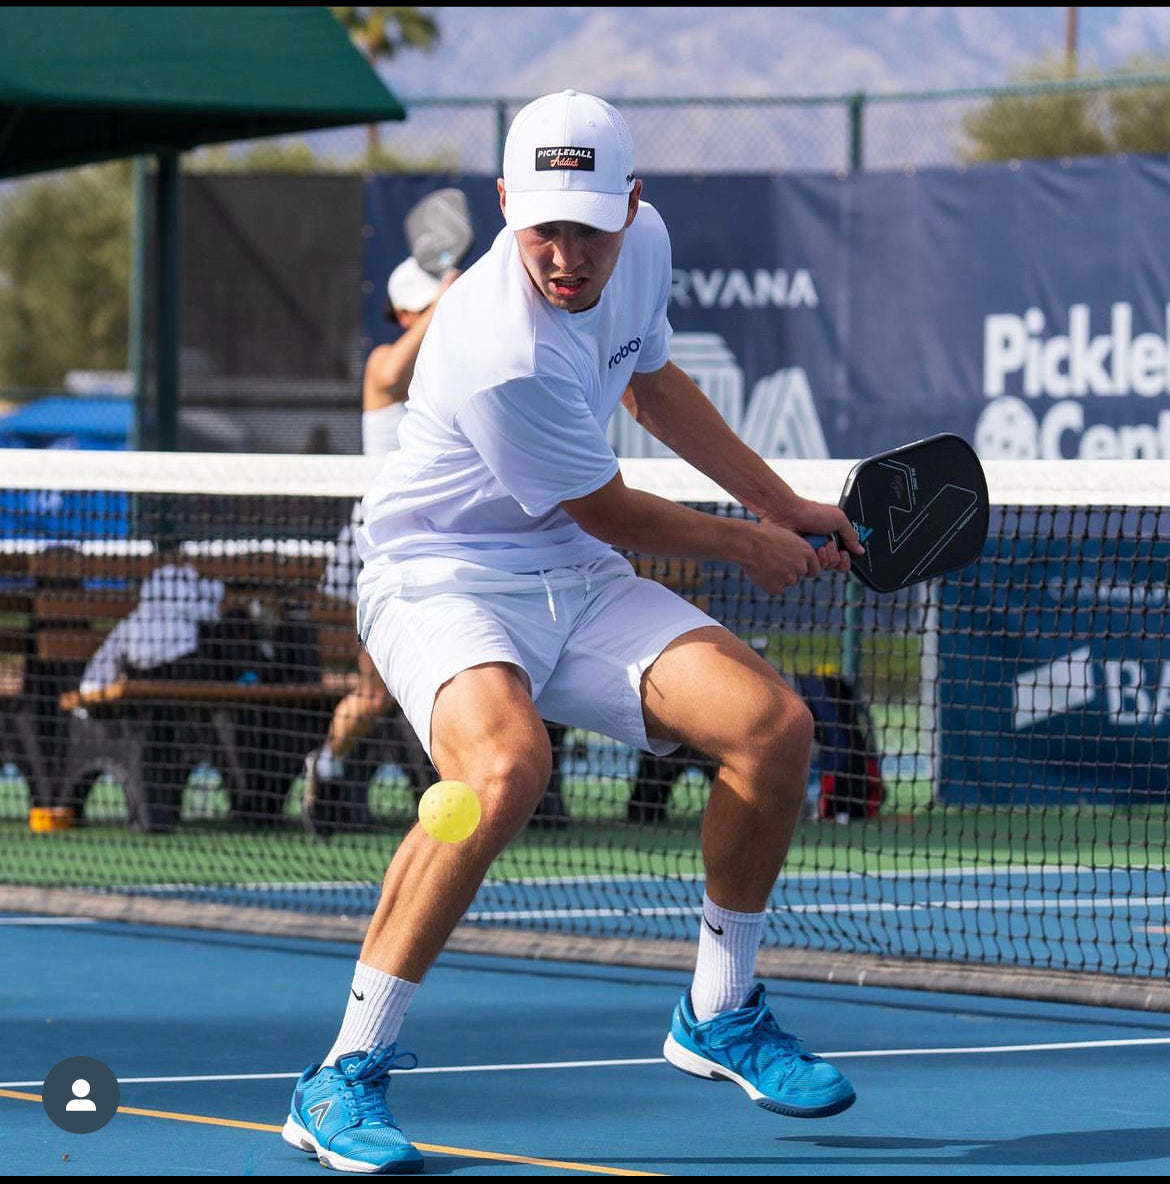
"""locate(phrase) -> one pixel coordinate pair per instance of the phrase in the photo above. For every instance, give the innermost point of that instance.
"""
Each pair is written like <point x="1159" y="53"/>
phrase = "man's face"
<point x="570" y="263"/>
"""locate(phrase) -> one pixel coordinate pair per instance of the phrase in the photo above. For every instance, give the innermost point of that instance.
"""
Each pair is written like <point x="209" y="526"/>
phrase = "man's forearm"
<point x="676" y="412"/>
<point x="634" y="520"/>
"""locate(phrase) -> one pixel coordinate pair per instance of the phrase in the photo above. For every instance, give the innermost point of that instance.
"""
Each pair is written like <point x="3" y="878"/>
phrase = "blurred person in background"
<point x="411" y="297"/>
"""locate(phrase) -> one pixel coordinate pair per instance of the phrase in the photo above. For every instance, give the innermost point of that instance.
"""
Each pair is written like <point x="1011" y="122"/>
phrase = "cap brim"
<point x="603" y="211"/>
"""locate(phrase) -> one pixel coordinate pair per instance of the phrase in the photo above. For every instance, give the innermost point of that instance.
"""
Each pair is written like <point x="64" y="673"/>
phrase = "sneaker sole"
<point x="691" y="1062"/>
<point x="295" y="1135"/>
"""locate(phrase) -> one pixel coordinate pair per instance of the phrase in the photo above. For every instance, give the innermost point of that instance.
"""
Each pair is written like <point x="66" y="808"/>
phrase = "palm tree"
<point x="381" y="32"/>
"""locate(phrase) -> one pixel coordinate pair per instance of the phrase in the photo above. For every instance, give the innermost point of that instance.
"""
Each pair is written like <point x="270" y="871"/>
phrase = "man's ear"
<point x="635" y="197"/>
<point x="500" y="191"/>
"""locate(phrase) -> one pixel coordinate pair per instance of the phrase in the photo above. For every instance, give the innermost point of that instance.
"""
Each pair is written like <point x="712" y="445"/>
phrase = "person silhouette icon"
<point x="80" y="1101"/>
<point x="80" y="1095"/>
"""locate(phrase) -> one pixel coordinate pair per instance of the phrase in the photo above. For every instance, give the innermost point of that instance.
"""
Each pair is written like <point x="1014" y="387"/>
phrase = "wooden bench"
<point x="58" y="605"/>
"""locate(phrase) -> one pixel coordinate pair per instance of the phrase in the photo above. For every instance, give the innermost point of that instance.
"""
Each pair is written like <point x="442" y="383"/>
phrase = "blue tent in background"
<point x="66" y="422"/>
<point x="70" y="421"/>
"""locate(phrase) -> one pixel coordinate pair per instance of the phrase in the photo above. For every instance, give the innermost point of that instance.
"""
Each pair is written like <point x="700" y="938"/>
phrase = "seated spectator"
<point x="177" y="631"/>
<point x="163" y="629"/>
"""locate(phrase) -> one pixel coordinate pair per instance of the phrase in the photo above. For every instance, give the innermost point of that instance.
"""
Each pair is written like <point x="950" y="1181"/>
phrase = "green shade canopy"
<point x="88" y="84"/>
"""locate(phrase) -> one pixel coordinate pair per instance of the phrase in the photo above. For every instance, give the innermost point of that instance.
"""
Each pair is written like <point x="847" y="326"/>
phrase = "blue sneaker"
<point x="747" y="1046"/>
<point x="339" y="1114"/>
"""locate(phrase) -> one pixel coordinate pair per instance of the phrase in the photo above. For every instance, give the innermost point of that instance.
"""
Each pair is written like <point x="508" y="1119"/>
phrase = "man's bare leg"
<point x="712" y="692"/>
<point x="485" y="731"/>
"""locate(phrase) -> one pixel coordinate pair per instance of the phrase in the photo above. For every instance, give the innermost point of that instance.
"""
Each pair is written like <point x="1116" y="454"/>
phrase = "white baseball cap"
<point x="410" y="288"/>
<point x="569" y="157"/>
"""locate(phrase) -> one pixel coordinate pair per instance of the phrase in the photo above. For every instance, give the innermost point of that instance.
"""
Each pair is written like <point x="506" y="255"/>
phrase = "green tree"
<point x="65" y="238"/>
<point x="266" y="156"/>
<point x="1037" y="125"/>
<point x="296" y="156"/>
<point x="1139" y="116"/>
<point x="1092" y="121"/>
<point x="65" y="275"/>
<point x="382" y="33"/>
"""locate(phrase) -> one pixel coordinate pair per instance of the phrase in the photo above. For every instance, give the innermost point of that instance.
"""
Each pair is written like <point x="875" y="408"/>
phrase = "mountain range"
<point x="735" y="52"/>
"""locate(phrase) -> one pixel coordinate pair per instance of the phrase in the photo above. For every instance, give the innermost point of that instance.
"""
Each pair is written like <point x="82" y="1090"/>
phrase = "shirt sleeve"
<point x="655" y="351"/>
<point x="209" y="596"/>
<point x="541" y="443"/>
<point x="106" y="665"/>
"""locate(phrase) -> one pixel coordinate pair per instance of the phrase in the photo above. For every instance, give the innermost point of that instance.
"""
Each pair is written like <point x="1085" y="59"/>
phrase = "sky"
<point x="733" y="51"/>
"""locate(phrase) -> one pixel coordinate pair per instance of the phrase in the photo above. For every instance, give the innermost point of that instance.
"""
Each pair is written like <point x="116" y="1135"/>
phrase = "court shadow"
<point x="1054" y="1148"/>
<point x="440" y="1164"/>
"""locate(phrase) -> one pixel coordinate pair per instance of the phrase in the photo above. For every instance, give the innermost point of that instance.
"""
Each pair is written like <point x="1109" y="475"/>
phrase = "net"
<point x="986" y="809"/>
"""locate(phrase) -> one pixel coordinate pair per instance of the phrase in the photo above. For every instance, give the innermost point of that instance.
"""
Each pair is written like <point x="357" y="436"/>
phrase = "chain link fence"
<point x="272" y="344"/>
<point x="833" y="133"/>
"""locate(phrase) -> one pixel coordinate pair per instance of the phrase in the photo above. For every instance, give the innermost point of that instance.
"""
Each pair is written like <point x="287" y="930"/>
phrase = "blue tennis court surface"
<point x="552" y="1068"/>
<point x="1100" y="919"/>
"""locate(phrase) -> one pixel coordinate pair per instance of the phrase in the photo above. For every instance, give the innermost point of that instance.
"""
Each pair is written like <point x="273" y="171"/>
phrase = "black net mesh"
<point x="989" y="784"/>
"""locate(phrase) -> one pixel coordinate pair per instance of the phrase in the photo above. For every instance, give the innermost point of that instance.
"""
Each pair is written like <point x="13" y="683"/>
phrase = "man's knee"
<point x="774" y="725"/>
<point x="510" y="783"/>
<point x="493" y="739"/>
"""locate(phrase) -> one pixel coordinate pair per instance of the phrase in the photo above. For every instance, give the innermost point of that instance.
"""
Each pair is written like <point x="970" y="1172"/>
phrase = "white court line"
<point x="397" y="1072"/>
<point x="974" y="1050"/>
<point x="998" y="1048"/>
<point x="959" y="873"/>
<point x="46" y="920"/>
<point x="878" y="906"/>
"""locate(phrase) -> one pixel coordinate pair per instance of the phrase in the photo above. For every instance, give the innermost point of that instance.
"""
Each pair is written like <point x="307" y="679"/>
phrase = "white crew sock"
<point x="725" y="967"/>
<point x="373" y="1016"/>
<point x="329" y="767"/>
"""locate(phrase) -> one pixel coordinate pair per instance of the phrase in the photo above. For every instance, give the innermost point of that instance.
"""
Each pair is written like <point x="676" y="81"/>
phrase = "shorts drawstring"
<point x="552" y="606"/>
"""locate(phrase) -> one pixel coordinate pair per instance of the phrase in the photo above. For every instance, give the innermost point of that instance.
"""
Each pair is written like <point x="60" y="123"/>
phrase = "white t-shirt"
<point x="380" y="429"/>
<point x="379" y="436"/>
<point x="163" y="627"/>
<point x="507" y="418"/>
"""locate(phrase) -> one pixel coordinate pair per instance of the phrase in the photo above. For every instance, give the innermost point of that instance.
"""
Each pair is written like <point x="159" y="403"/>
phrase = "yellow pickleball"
<point x="449" y="811"/>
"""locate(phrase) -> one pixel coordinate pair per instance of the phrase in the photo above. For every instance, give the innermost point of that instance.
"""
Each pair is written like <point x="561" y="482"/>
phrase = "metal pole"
<point x="142" y="430"/>
<point x="501" y="132"/>
<point x="851" y="624"/>
<point x="1070" y="42"/>
<point x="167" y="302"/>
<point x="856" y="131"/>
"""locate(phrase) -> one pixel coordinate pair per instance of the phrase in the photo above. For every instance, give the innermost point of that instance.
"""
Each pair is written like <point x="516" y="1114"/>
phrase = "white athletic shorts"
<point x="583" y="636"/>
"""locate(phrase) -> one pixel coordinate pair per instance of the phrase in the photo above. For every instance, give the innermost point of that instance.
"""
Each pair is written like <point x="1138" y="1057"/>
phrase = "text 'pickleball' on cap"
<point x="569" y="157"/>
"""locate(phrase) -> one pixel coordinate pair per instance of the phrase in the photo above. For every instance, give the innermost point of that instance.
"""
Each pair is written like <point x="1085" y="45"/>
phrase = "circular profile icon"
<point x="80" y="1095"/>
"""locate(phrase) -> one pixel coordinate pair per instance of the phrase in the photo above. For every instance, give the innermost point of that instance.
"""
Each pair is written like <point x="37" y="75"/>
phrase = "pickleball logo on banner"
<point x="581" y="159"/>
<point x="80" y="1095"/>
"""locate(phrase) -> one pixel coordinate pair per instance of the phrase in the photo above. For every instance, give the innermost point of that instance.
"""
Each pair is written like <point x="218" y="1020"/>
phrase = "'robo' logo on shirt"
<point x="631" y="347"/>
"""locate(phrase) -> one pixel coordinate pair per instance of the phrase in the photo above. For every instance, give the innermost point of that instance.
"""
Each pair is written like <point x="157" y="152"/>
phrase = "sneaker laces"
<point x="757" y="1026"/>
<point x="369" y="1080"/>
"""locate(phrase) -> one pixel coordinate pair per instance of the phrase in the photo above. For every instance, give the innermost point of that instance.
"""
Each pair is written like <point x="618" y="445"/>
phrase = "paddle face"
<point x="920" y="511"/>
<point x="438" y="230"/>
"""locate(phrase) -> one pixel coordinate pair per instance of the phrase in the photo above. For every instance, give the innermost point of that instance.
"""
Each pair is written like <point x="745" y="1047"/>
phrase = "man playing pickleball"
<point x="492" y="597"/>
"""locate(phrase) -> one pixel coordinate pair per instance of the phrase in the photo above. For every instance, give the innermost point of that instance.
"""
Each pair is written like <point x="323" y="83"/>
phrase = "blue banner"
<point x="1054" y="663"/>
<point x="1025" y="307"/>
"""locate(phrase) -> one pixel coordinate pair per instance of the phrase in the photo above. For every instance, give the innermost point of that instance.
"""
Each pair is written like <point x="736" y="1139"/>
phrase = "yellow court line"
<point x="438" y="1149"/>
